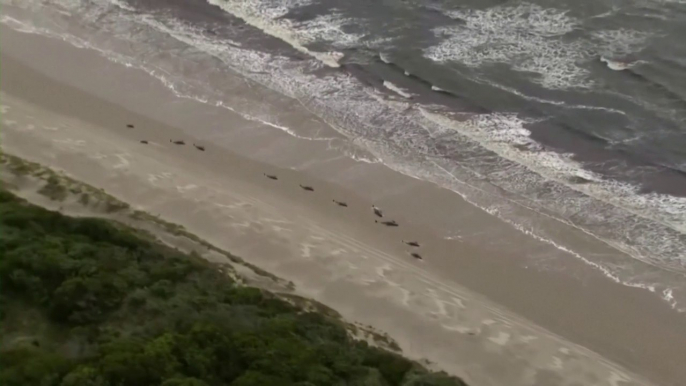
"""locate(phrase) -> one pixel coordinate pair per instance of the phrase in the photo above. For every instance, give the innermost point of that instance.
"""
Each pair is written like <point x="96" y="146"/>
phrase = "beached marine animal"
<point x="340" y="203"/>
<point x="412" y="243"/>
<point x="377" y="211"/>
<point x="270" y="176"/>
<point x="129" y="125"/>
<point x="308" y="188"/>
<point x="201" y="148"/>
<point x="391" y="223"/>
<point x="177" y="142"/>
<point x="416" y="256"/>
<point x="144" y="141"/>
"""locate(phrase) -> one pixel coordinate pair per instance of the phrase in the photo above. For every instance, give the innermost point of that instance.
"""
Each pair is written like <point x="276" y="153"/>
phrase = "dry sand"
<point x="75" y="121"/>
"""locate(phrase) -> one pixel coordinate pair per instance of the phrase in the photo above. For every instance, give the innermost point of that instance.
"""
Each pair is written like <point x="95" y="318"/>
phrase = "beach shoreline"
<point x="336" y="255"/>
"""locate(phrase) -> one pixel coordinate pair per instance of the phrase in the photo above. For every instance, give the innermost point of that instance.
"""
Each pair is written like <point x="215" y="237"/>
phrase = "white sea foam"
<point x="525" y="36"/>
<point x="329" y="28"/>
<point x="397" y="89"/>
<point x="550" y="101"/>
<point x="619" y="42"/>
<point x="123" y="5"/>
<point x="268" y="16"/>
<point x="368" y="159"/>
<point x="531" y="39"/>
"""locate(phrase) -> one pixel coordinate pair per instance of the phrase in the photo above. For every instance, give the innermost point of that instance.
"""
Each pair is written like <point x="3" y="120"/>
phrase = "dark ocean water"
<point x="572" y="110"/>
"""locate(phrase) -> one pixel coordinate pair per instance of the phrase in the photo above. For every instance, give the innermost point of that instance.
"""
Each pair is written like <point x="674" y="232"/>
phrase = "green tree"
<point x="122" y="363"/>
<point x="422" y="378"/>
<point x="392" y="366"/>
<point x="368" y="377"/>
<point x="184" y="381"/>
<point x="254" y="378"/>
<point x="84" y="376"/>
<point x="160" y="356"/>
<point x="27" y="367"/>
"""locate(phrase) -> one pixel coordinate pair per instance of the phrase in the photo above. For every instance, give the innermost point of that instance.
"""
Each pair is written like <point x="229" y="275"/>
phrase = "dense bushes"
<point x="90" y="303"/>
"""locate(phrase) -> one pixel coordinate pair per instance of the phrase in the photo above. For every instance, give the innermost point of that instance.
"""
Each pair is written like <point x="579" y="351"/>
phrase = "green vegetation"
<point x="88" y="302"/>
<point x="54" y="189"/>
<point x="58" y="186"/>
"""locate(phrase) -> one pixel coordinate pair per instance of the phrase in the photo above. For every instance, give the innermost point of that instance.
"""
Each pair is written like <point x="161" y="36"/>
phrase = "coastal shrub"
<point x="54" y="189"/>
<point x="109" y="307"/>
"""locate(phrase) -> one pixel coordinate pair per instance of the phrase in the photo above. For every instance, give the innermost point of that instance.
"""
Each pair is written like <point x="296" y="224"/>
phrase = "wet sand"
<point x="479" y="310"/>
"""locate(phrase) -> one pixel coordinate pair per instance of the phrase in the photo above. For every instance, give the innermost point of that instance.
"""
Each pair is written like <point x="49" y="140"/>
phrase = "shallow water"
<point x="564" y="120"/>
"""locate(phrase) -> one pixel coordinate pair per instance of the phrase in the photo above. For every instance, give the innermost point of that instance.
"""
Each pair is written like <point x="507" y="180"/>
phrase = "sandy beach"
<point x="478" y="310"/>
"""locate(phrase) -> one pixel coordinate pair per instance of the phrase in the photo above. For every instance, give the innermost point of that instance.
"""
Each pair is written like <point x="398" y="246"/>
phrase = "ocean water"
<point x="563" y="114"/>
